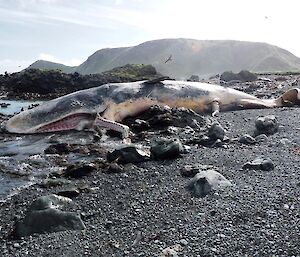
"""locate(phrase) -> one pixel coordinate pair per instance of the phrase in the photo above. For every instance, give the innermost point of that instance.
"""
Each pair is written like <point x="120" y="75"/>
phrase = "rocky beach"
<point x="189" y="185"/>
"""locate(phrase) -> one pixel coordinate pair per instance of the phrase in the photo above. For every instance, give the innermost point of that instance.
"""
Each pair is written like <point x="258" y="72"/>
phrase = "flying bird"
<point x="169" y="59"/>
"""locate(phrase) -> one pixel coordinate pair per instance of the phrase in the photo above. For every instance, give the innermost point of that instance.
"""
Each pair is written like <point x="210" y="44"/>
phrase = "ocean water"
<point x="16" y="106"/>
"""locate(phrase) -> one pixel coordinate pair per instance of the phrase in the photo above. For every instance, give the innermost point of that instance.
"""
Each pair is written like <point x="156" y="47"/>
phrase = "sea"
<point x="10" y="158"/>
<point x="16" y="106"/>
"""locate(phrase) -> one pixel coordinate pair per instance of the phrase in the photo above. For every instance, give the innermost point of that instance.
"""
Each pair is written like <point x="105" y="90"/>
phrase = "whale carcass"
<point x="107" y="105"/>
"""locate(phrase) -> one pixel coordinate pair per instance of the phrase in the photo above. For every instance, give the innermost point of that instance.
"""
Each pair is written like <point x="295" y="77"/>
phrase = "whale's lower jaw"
<point x="77" y="121"/>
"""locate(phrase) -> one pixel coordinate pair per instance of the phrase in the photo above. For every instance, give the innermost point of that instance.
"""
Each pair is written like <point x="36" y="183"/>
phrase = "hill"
<point x="47" y="83"/>
<point x="191" y="57"/>
<point x="46" y="65"/>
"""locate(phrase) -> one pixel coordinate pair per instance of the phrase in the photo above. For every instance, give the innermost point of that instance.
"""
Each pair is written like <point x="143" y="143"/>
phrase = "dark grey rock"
<point x="259" y="164"/>
<point x="247" y="139"/>
<point x="128" y="154"/>
<point x="216" y="131"/>
<point x="43" y="216"/>
<point x="205" y="182"/>
<point x="166" y="148"/>
<point x="79" y="170"/>
<point x="69" y="192"/>
<point x="266" y="125"/>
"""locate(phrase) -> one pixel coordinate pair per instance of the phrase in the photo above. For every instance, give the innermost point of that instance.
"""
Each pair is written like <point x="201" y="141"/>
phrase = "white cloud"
<point x="51" y="58"/>
<point x="48" y="57"/>
<point x="9" y="65"/>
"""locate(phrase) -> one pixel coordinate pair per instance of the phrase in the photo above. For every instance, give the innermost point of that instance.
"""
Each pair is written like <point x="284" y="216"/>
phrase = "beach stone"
<point x="171" y="251"/>
<point x="247" y="139"/>
<point x="261" y="138"/>
<point x="61" y="148"/>
<point x="259" y="164"/>
<point x="43" y="216"/>
<point x="205" y="182"/>
<point x="216" y="131"/>
<point x="164" y="148"/>
<point x="128" y="154"/>
<point x="51" y="182"/>
<point x="267" y="125"/>
<point x="79" y="170"/>
<point x="69" y="192"/>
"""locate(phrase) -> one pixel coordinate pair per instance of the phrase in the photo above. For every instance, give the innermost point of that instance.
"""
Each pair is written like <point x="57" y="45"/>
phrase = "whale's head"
<point x="73" y="111"/>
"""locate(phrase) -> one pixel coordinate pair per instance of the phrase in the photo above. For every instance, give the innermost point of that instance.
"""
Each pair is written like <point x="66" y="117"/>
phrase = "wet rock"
<point x="216" y="131"/>
<point x="79" y="170"/>
<point x="66" y="148"/>
<point x="247" y="139"/>
<point x="129" y="154"/>
<point x="166" y="148"/>
<point x="259" y="164"/>
<point x="61" y="148"/>
<point x="69" y="192"/>
<point x="267" y="125"/>
<point x="43" y="216"/>
<point x="51" y="182"/>
<point x="205" y="182"/>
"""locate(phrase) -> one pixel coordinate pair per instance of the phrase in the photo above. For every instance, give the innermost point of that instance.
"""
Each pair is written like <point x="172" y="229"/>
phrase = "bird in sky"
<point x="169" y="59"/>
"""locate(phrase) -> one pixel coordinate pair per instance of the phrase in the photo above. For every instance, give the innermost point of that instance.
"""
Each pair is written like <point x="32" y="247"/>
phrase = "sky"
<point x="68" y="31"/>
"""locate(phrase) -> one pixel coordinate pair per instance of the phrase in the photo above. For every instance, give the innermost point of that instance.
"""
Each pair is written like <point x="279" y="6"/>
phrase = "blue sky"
<point x="68" y="31"/>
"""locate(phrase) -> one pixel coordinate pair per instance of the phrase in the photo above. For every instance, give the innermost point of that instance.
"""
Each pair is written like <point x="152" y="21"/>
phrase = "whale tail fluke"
<point x="289" y="98"/>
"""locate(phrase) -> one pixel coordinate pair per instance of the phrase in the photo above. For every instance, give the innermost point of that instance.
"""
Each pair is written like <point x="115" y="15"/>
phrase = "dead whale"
<point x="107" y="105"/>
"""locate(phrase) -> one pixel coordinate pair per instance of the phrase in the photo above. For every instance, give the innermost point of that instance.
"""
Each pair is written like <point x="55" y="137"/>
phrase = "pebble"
<point x="183" y="242"/>
<point x="16" y="245"/>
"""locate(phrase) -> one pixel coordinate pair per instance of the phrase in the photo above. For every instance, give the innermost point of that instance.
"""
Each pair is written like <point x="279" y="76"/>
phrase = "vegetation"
<point x="133" y="71"/>
<point x="52" y="83"/>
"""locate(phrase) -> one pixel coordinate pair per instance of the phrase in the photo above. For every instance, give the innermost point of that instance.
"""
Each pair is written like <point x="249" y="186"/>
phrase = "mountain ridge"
<point x="188" y="57"/>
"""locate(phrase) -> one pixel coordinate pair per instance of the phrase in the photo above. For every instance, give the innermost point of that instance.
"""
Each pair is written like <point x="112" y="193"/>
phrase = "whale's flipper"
<point x="215" y="108"/>
<point x="109" y="124"/>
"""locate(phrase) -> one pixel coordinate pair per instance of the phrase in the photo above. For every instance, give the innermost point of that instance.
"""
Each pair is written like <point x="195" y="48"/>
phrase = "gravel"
<point x="146" y="208"/>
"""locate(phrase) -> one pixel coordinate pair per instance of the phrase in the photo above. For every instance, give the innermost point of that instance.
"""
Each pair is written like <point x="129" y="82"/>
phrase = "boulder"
<point x="259" y="164"/>
<point x="267" y="125"/>
<point x="216" y="131"/>
<point x="79" y="170"/>
<point x="43" y="216"/>
<point x="164" y="148"/>
<point x="205" y="182"/>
